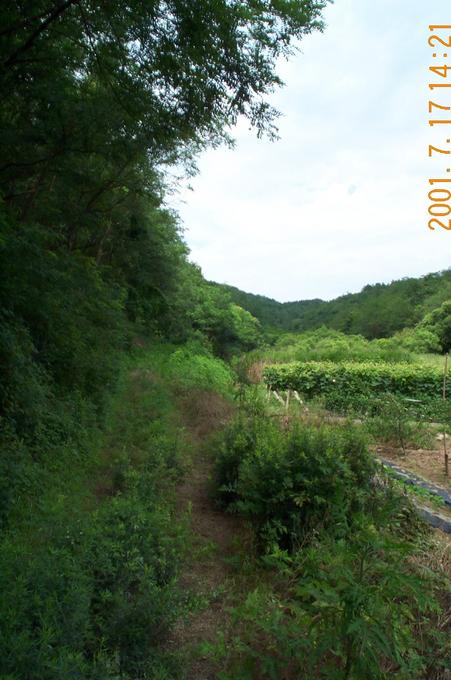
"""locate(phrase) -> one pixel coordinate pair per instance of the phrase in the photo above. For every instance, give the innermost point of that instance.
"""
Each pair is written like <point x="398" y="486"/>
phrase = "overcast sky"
<point x="341" y="199"/>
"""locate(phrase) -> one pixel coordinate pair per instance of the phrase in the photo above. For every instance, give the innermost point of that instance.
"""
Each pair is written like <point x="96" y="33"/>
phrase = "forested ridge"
<point x="125" y="374"/>
<point x="377" y="311"/>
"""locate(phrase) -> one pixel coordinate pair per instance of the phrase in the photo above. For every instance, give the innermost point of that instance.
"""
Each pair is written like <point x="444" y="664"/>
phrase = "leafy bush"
<point x="287" y="483"/>
<point x="438" y="323"/>
<point x="192" y="366"/>
<point x="348" y="600"/>
<point x="348" y="609"/>
<point x="354" y="385"/>
<point x="418" y="340"/>
<point x="392" y="422"/>
<point x="89" y="561"/>
<point x="325" y="344"/>
<point x="134" y="558"/>
<point x="61" y="327"/>
<point x="103" y="591"/>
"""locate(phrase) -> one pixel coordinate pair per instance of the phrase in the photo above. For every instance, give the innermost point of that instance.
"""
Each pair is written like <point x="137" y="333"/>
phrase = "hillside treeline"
<point x="378" y="311"/>
<point x="100" y="102"/>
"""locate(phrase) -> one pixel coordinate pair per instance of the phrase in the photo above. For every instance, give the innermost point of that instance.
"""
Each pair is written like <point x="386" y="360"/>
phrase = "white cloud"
<point x="341" y="199"/>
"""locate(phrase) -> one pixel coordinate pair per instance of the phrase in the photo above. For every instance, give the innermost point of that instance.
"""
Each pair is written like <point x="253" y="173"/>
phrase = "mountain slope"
<point x="377" y="311"/>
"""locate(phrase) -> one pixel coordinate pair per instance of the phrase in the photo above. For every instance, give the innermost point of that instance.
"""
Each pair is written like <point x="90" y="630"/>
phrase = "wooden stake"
<point x="287" y="402"/>
<point x="445" y="373"/>
<point x="277" y="396"/>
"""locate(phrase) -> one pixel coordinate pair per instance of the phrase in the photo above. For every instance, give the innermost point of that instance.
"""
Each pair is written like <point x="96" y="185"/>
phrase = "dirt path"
<point x="207" y="573"/>
<point x="216" y="537"/>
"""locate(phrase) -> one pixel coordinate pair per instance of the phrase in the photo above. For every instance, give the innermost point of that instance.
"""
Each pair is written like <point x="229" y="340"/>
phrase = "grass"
<point x="417" y="492"/>
<point x="90" y="560"/>
<point x="91" y="564"/>
<point x="436" y="360"/>
<point x="346" y="599"/>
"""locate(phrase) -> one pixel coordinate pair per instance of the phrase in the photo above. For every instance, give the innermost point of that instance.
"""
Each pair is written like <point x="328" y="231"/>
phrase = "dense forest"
<point x="121" y="366"/>
<point x="99" y="103"/>
<point x="378" y="311"/>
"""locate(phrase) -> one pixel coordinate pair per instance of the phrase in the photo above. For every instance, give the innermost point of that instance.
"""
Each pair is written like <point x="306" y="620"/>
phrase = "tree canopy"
<point x="102" y="102"/>
<point x="378" y="311"/>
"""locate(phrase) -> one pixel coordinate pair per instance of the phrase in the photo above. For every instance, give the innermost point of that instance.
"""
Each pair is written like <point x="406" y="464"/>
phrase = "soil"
<point x="216" y="536"/>
<point x="426" y="463"/>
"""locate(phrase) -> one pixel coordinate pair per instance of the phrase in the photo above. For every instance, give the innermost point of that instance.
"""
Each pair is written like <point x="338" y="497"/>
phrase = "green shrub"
<point x="354" y="386"/>
<point x="348" y="602"/>
<point x="134" y="560"/>
<point x="61" y="327"/>
<point x="418" y="340"/>
<point x="348" y="598"/>
<point x="288" y="483"/>
<point x="393" y="423"/>
<point x="97" y="591"/>
<point x="189" y="366"/>
<point x="325" y="344"/>
<point x="348" y="609"/>
<point x="202" y="371"/>
<point x="90" y="556"/>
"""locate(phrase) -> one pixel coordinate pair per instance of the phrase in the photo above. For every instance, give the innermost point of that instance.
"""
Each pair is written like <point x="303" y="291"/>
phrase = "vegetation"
<point x="89" y="563"/>
<point x="100" y="101"/>
<point x="347" y="599"/>
<point x="289" y="484"/>
<point x="438" y="321"/>
<point x="394" y="423"/>
<point x="324" y="344"/>
<point x="378" y="311"/>
<point x="108" y="332"/>
<point x="354" y="385"/>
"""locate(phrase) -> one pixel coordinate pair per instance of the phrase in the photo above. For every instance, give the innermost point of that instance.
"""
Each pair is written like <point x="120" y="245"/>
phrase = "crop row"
<point x="352" y="384"/>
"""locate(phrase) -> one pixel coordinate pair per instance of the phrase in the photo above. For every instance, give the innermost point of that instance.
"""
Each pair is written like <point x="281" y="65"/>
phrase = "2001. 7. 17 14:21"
<point x="440" y="196"/>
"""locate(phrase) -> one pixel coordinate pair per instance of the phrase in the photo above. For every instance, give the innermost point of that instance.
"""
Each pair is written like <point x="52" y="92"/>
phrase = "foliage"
<point x="200" y="371"/>
<point x="226" y="327"/>
<point x="438" y="322"/>
<point x="96" y="599"/>
<point x="88" y="246"/>
<point x="62" y="326"/>
<point x="100" y="101"/>
<point x="392" y="423"/>
<point x="377" y="311"/>
<point x="418" y="340"/>
<point x="246" y="327"/>
<point x="346" y="599"/>
<point x="189" y="366"/>
<point x="287" y="483"/>
<point x="324" y="344"/>
<point x="91" y="552"/>
<point x="349" y="609"/>
<point x="355" y="385"/>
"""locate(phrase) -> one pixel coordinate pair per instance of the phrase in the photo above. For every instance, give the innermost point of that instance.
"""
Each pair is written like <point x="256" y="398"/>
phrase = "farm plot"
<point x="357" y="387"/>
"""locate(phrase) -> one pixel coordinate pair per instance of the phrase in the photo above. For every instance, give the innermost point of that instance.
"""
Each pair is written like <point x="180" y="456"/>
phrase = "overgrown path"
<point x="216" y="537"/>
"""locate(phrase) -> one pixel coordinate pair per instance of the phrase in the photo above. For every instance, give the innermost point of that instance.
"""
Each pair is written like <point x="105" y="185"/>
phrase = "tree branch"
<point x="53" y="16"/>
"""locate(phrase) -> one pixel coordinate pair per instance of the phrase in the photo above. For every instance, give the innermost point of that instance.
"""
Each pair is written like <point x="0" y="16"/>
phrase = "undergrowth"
<point x="92" y="550"/>
<point x="350" y="595"/>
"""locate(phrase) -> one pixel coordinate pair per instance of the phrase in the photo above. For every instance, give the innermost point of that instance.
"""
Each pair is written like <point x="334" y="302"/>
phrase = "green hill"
<point x="377" y="311"/>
